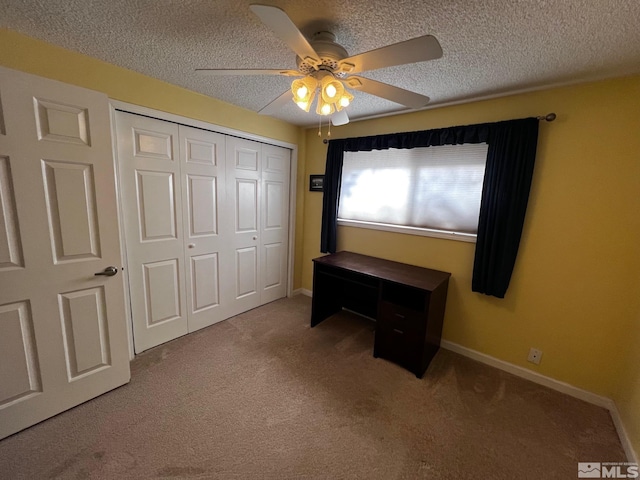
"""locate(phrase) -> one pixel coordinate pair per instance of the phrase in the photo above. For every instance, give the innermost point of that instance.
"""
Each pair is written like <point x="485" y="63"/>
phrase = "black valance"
<point x="508" y="174"/>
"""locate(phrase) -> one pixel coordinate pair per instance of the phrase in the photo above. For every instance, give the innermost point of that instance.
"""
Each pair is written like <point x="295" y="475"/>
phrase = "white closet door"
<point x="244" y="162"/>
<point x="207" y="259"/>
<point x="274" y="234"/>
<point x="63" y="337"/>
<point x="258" y="193"/>
<point x="151" y="189"/>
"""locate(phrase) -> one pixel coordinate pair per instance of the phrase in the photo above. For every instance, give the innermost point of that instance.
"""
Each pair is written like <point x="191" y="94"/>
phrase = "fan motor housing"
<point x="329" y="51"/>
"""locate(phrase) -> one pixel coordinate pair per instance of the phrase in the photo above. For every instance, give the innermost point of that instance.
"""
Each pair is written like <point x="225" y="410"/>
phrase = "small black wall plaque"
<point x="316" y="183"/>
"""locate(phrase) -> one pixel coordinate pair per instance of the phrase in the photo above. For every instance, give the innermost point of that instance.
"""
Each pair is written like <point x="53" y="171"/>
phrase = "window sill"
<point x="424" y="232"/>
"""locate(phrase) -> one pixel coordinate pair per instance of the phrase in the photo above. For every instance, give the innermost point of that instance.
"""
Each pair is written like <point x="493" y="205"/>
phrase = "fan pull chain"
<point x="319" y="126"/>
<point x="329" y="129"/>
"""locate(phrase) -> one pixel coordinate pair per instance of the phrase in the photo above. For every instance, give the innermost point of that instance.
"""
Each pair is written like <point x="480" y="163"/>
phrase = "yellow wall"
<point x="574" y="292"/>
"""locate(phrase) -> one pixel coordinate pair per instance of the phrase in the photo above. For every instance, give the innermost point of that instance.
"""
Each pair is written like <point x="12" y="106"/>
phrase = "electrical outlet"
<point x="534" y="356"/>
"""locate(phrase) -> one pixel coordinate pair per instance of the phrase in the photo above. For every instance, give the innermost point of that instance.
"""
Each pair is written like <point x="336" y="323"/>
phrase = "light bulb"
<point x="344" y="102"/>
<point x="330" y="91"/>
<point x="326" y="109"/>
<point x="302" y="92"/>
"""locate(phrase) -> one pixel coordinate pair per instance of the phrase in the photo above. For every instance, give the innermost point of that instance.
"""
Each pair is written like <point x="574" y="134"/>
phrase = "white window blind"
<point x="434" y="188"/>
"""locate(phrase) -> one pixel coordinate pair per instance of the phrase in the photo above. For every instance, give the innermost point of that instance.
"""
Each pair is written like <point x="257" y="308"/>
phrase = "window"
<point x="431" y="191"/>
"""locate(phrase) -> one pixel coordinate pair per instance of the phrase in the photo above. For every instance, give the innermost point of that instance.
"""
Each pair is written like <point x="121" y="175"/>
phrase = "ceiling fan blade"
<point x="277" y="104"/>
<point x="339" y="118"/>
<point x="419" y="49"/>
<point x="384" y="90"/>
<point x="280" y="23"/>
<point x="227" y="72"/>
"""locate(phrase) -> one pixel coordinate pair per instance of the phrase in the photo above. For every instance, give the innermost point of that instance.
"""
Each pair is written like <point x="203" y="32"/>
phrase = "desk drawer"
<point x="394" y="316"/>
<point x="401" y="347"/>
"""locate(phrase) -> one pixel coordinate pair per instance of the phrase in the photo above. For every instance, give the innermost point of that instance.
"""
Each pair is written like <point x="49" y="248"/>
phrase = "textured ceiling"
<point x="491" y="47"/>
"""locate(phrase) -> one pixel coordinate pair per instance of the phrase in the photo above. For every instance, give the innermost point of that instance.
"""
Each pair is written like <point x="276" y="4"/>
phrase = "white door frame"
<point x="170" y="117"/>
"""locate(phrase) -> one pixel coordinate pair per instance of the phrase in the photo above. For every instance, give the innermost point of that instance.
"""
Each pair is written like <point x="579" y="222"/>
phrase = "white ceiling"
<point x="491" y="47"/>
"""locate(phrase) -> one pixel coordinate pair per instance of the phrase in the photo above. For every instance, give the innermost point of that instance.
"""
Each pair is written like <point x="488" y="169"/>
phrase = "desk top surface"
<point x="419" y="277"/>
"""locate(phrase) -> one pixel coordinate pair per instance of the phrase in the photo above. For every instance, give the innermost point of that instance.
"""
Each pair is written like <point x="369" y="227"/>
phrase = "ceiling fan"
<point x="326" y="67"/>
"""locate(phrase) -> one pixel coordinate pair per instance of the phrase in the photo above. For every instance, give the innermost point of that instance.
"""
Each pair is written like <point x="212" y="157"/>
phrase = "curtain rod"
<point x="549" y="117"/>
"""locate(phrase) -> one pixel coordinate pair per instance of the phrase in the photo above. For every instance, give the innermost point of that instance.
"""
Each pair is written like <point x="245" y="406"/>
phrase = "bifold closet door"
<point x="206" y="225"/>
<point x="257" y="179"/>
<point x="173" y="193"/>
<point x="151" y="196"/>
<point x="274" y="235"/>
<point x="207" y="253"/>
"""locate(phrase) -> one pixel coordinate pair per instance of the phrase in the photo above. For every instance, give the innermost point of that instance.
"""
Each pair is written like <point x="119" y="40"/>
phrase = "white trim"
<point x="170" y="117"/>
<point x="149" y="112"/>
<point x="293" y="186"/>
<point x="622" y="433"/>
<point x="123" y="243"/>
<point x="557" y="385"/>
<point x="303" y="291"/>
<point x="529" y="375"/>
<point x="424" y="232"/>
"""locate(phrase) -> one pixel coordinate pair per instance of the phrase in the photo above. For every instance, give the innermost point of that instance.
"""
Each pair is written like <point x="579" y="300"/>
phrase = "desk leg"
<point x="326" y="297"/>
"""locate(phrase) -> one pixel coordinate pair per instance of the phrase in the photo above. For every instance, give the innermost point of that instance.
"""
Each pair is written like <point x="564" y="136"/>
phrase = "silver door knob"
<point x="108" y="272"/>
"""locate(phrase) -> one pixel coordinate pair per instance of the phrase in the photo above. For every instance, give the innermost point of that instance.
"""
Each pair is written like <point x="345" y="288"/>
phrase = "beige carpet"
<point x="265" y="396"/>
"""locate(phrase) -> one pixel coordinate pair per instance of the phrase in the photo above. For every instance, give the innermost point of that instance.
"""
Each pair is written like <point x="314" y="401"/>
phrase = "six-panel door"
<point x="151" y="198"/>
<point x="63" y="336"/>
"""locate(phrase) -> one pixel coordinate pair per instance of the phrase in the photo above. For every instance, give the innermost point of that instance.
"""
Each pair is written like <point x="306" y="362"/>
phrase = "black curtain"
<point x="508" y="173"/>
<point x="505" y="192"/>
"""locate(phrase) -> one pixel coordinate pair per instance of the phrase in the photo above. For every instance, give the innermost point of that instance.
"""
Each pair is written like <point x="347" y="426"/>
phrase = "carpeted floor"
<point x="264" y="396"/>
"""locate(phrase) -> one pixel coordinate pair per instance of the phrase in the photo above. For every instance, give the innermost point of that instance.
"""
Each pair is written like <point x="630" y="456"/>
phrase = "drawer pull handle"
<point x="398" y="331"/>
<point x="400" y="316"/>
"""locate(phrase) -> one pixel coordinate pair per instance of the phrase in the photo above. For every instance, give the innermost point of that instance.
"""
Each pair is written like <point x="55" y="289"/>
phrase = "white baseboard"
<point x="622" y="433"/>
<point x="302" y="291"/>
<point x="563" y="387"/>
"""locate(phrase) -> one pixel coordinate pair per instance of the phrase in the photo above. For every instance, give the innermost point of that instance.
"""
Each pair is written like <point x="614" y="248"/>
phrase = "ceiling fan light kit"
<point x="325" y="68"/>
<point x="333" y="95"/>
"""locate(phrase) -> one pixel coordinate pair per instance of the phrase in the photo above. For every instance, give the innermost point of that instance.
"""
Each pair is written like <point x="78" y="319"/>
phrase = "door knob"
<point x="108" y="272"/>
<point x="192" y="245"/>
<point x="255" y="238"/>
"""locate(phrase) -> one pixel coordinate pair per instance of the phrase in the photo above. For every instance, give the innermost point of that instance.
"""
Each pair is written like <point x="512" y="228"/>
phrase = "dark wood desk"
<point x="406" y="301"/>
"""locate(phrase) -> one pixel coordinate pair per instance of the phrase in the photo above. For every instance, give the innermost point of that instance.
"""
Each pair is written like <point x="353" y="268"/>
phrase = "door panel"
<point x="156" y="205"/>
<point x="274" y="235"/>
<point x="246" y="272"/>
<point x="19" y="365"/>
<point x="243" y="185"/>
<point x="205" y="279"/>
<point x="84" y="317"/>
<point x="203" y="205"/>
<point x="246" y="206"/>
<point x="207" y="253"/>
<point x="273" y="260"/>
<point x="62" y="123"/>
<point x="72" y="211"/>
<point x="62" y="329"/>
<point x="152" y="144"/>
<point x="10" y="244"/>
<point x="151" y="191"/>
<point x="162" y="291"/>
